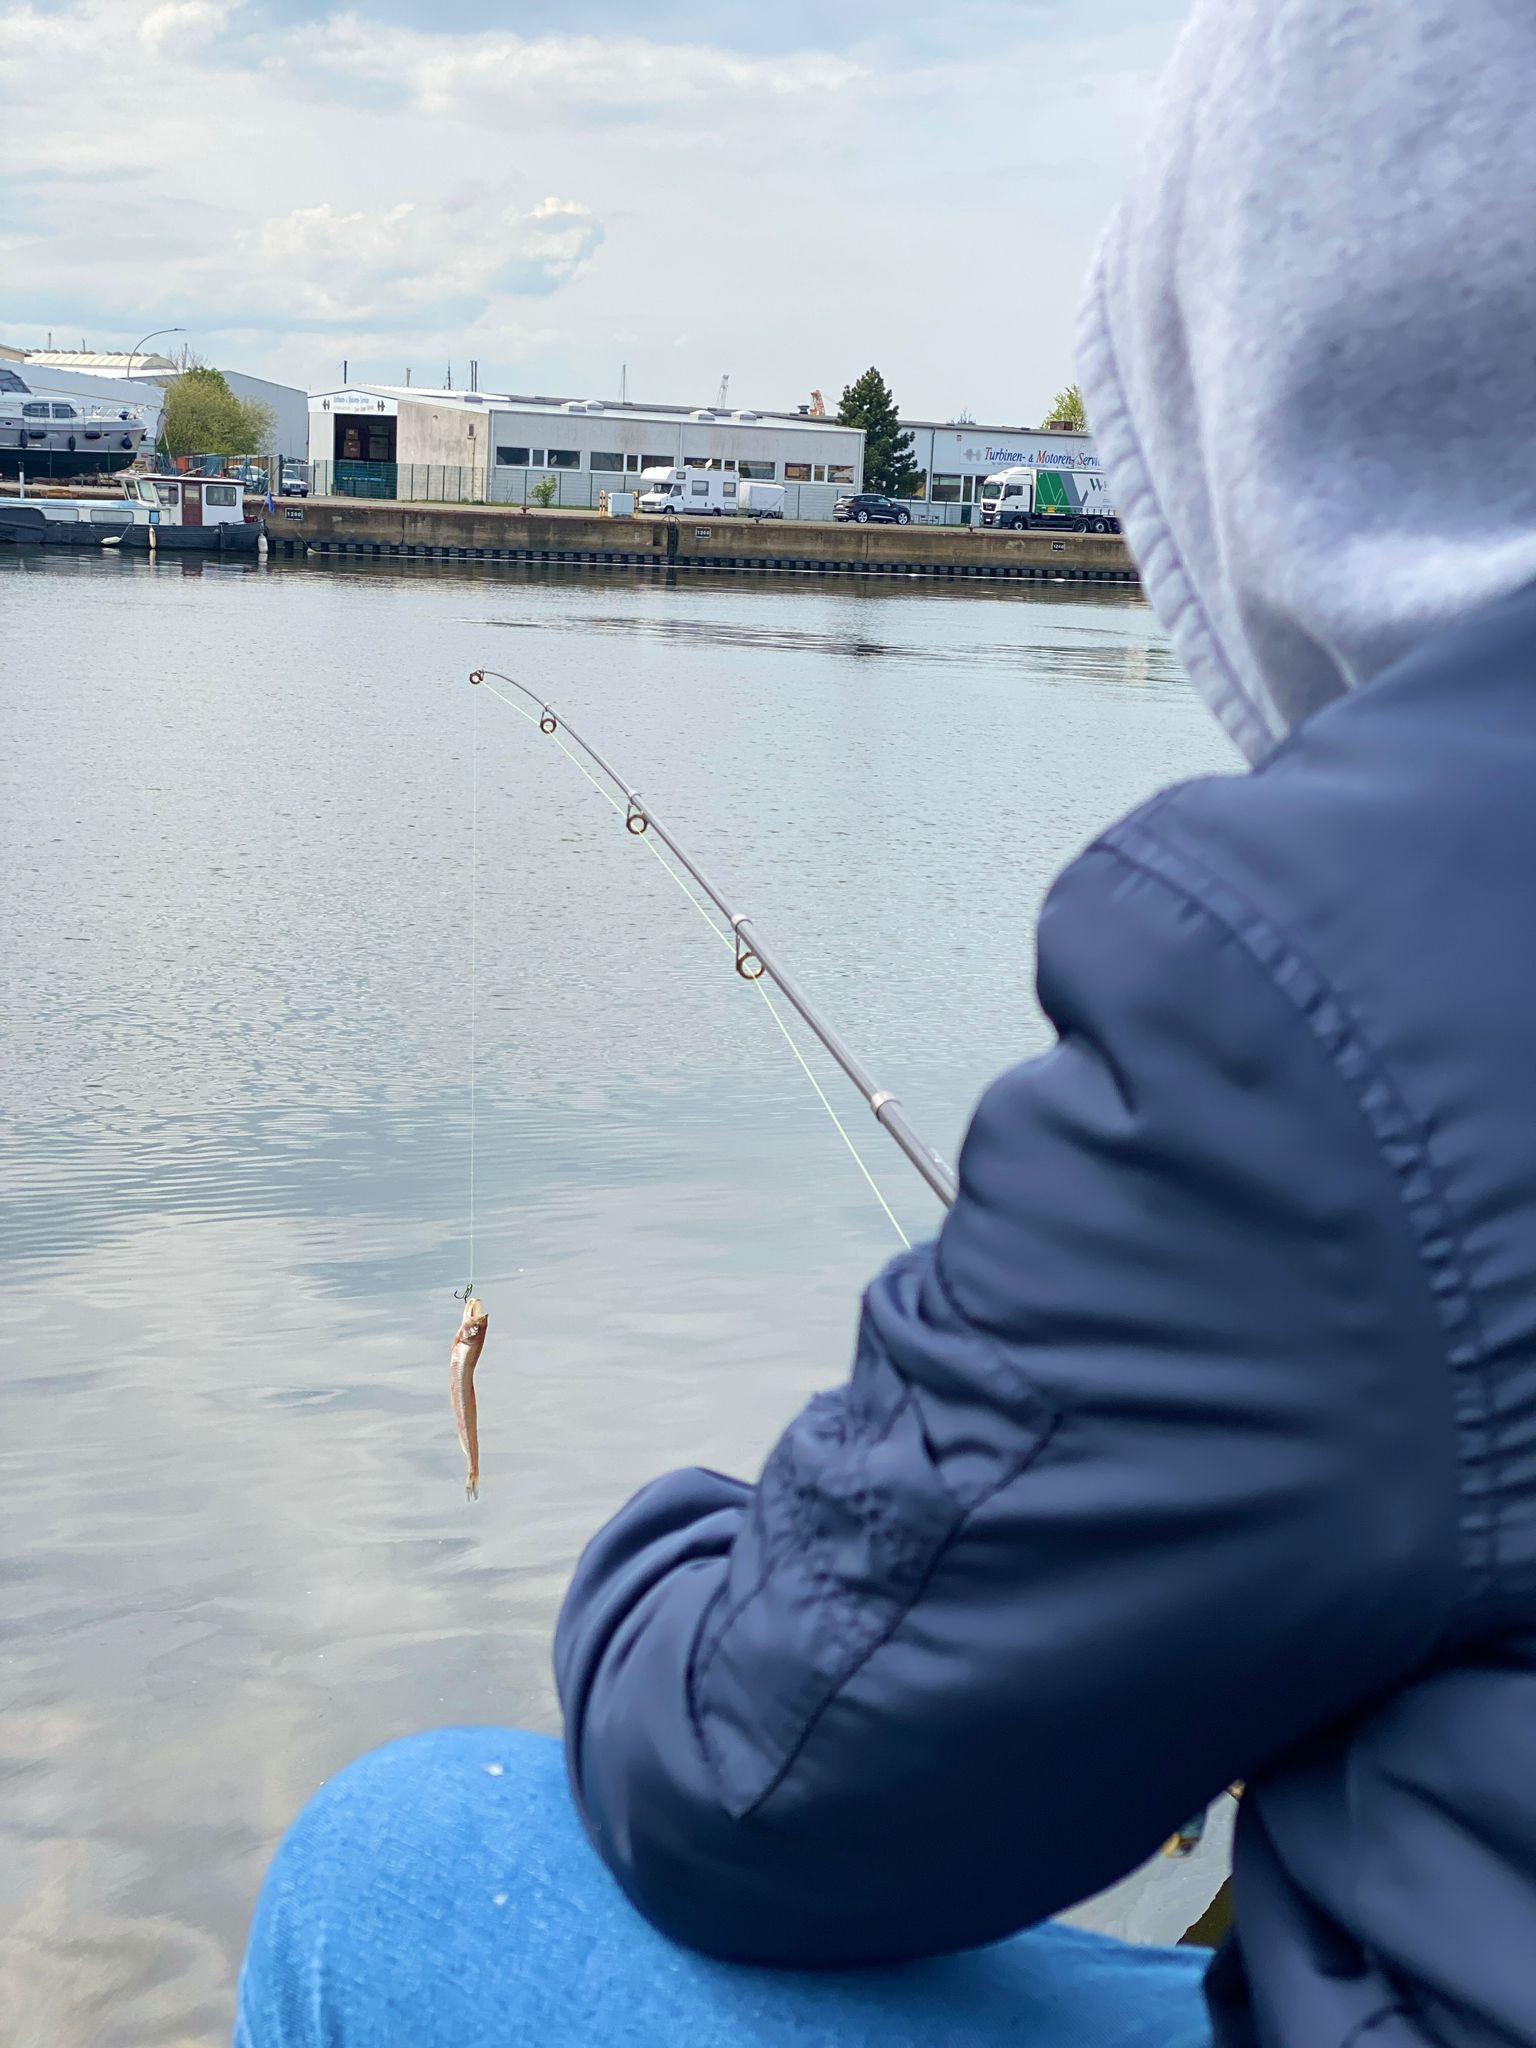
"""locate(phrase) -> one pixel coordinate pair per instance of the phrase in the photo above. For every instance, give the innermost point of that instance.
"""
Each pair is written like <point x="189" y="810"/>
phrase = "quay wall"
<point x="353" y="526"/>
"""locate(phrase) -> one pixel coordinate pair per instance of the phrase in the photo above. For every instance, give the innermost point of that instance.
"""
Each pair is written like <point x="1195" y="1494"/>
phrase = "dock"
<point x="337" y="527"/>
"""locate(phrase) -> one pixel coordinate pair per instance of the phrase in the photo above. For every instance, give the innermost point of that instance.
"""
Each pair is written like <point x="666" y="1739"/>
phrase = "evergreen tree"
<point x="888" y="465"/>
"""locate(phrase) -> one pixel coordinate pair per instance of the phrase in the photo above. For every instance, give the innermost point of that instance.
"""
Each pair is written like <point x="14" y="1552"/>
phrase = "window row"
<point x="609" y="462"/>
<point x="818" y="472"/>
<point x="539" y="458"/>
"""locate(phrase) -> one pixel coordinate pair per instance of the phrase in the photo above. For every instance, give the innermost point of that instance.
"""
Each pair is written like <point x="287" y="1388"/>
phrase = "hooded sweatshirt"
<point x="1200" y="1442"/>
<point x="1309" y="343"/>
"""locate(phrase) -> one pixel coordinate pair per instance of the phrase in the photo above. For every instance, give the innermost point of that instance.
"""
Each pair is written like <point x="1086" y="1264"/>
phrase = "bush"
<point x="543" y="492"/>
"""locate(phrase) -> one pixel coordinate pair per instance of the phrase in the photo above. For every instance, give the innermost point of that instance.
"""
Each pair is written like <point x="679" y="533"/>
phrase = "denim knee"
<point x="361" y="1913"/>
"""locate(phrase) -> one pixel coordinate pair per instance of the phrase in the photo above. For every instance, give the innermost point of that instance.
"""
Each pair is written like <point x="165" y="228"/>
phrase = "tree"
<point x="202" y="416"/>
<point x="888" y="464"/>
<point x="1067" y="409"/>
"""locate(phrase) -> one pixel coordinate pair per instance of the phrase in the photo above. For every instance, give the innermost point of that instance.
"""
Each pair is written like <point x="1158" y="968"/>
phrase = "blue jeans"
<point x="440" y="1893"/>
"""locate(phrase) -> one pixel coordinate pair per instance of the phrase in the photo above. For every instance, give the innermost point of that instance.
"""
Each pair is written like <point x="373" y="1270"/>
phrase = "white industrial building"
<point x="403" y="441"/>
<point x="400" y="440"/>
<point x="957" y="456"/>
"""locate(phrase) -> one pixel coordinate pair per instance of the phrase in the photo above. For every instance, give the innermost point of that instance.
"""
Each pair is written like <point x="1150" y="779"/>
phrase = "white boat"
<point x="170" y="514"/>
<point x="69" y="522"/>
<point x="183" y="510"/>
<point x="55" y="433"/>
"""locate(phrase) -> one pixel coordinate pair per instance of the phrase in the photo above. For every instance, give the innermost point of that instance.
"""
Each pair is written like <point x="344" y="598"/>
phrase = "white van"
<point x="685" y="491"/>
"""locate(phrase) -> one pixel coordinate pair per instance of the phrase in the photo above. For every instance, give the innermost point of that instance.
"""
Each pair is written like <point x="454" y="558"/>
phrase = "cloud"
<point x="778" y="193"/>
<point x="498" y="78"/>
<point x="390" y="266"/>
<point x="183" y="20"/>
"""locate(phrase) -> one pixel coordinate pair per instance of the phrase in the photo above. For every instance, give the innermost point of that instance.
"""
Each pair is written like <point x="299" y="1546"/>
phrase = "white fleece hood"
<point x="1308" y="347"/>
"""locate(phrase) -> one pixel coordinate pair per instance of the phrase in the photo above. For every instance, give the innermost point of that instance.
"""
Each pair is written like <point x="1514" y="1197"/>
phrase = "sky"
<point x="781" y="194"/>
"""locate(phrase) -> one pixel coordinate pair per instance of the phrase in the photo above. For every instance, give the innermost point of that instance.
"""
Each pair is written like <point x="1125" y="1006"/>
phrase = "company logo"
<point x="1000" y="456"/>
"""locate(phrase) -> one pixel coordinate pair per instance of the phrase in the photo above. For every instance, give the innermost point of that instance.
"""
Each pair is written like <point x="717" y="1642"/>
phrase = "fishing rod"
<point x="753" y="959"/>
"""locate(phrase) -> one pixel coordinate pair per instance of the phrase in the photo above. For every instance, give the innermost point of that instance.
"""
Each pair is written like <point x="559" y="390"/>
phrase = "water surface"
<point x="235" y="917"/>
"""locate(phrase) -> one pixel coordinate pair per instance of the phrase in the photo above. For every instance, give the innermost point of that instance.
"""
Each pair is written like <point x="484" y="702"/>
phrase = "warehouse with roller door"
<point x="399" y="441"/>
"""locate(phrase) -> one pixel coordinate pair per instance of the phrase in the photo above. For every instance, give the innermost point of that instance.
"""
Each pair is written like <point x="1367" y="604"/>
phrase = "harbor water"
<point x="245" y="971"/>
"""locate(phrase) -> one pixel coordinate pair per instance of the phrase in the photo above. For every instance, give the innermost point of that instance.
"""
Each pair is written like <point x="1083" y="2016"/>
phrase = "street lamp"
<point x="153" y="335"/>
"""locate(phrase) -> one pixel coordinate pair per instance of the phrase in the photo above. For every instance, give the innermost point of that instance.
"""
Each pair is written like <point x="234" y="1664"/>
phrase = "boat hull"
<point x="226" y="539"/>
<point x="25" y="526"/>
<point x="30" y="526"/>
<point x="40" y="465"/>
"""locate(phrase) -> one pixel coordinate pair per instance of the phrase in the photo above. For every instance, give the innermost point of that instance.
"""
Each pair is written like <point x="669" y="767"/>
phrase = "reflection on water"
<point x="234" y="830"/>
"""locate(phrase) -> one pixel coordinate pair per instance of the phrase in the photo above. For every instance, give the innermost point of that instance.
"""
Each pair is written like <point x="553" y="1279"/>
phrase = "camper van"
<point x="685" y="491"/>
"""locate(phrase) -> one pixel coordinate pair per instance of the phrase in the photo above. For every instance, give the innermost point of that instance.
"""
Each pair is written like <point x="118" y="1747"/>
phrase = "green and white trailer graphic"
<point x="1075" y="499"/>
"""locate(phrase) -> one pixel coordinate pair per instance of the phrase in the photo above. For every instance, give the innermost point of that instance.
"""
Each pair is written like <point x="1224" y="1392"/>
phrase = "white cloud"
<point x="496" y="77"/>
<point x="294" y="187"/>
<point x="184" y="20"/>
<point x="392" y="266"/>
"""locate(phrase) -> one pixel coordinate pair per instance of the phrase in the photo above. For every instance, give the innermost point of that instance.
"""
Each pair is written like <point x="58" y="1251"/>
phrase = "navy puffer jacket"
<point x="1199" y="1445"/>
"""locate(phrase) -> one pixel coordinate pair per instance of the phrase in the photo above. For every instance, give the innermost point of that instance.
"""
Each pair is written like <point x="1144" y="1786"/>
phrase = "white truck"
<point x="1071" y="500"/>
<point x="685" y="492"/>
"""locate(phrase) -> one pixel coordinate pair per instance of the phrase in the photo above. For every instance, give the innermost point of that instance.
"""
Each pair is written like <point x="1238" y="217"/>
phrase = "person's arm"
<point x="1144" y="1472"/>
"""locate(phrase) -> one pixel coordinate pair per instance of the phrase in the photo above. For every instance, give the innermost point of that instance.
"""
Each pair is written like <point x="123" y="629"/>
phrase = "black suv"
<point x="868" y="505"/>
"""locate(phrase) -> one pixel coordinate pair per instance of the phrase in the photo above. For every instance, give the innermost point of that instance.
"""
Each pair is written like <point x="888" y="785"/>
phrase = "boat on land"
<point x="168" y="514"/>
<point x="61" y="434"/>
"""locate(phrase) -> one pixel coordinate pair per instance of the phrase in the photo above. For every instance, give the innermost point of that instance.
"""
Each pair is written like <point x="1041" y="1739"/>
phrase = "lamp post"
<point x="153" y="335"/>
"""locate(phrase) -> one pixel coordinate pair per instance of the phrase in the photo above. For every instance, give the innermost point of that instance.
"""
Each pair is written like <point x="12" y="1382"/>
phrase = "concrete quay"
<point x="329" y="527"/>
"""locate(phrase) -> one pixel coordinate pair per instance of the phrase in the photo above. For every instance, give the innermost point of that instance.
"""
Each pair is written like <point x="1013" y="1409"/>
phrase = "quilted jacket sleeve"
<point x="1144" y="1472"/>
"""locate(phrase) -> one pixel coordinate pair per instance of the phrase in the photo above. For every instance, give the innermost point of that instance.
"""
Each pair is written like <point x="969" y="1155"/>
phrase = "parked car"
<point x="867" y="505"/>
<point x="295" y="483"/>
<point x="248" y="476"/>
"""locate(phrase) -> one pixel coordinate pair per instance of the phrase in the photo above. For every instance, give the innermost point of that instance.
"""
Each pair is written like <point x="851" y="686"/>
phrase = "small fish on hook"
<point x="462" y="1360"/>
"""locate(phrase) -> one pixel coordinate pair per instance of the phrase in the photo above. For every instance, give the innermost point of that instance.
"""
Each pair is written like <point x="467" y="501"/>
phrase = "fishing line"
<point x="474" y="901"/>
<point x="752" y="958"/>
<point x="728" y="940"/>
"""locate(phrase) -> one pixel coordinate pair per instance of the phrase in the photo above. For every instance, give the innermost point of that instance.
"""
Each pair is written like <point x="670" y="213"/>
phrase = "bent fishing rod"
<point x="753" y="959"/>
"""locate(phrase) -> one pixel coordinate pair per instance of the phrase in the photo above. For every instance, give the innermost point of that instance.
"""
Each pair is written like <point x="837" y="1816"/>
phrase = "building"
<point x="402" y="441"/>
<point x="288" y="406"/>
<point x="956" y="457"/>
<point x="106" y="362"/>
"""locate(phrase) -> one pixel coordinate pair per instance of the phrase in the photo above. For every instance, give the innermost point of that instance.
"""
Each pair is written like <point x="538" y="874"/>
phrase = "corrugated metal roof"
<point x="111" y="362"/>
<point x="604" y="408"/>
